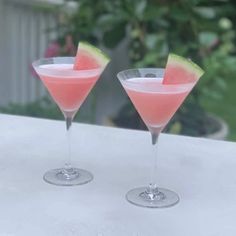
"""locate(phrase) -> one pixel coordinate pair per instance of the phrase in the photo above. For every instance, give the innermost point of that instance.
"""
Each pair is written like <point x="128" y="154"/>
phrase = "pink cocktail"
<point x="156" y="102"/>
<point x="69" y="88"/>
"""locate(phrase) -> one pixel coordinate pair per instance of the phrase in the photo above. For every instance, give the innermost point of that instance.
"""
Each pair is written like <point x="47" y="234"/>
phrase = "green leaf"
<point x="221" y="84"/>
<point x="207" y="39"/>
<point x="155" y="12"/>
<point x="140" y="8"/>
<point x="225" y="23"/>
<point x="106" y="20"/>
<point x="206" y="12"/>
<point x="151" y="40"/>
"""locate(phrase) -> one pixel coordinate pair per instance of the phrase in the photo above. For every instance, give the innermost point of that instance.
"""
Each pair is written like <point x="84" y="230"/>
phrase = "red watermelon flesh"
<point x="89" y="57"/>
<point x="180" y="71"/>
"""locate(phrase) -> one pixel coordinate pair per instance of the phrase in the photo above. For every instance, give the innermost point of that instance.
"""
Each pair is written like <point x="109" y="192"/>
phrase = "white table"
<point x="202" y="172"/>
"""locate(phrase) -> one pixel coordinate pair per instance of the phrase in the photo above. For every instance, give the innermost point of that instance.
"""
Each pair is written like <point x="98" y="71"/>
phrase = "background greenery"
<point x="198" y="29"/>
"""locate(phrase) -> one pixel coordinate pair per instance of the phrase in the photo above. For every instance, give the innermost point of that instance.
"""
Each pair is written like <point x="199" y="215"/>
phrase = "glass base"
<point x="156" y="198"/>
<point x="67" y="177"/>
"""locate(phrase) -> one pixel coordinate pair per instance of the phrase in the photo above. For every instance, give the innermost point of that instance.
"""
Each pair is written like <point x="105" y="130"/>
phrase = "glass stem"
<point x="68" y="134"/>
<point x="153" y="178"/>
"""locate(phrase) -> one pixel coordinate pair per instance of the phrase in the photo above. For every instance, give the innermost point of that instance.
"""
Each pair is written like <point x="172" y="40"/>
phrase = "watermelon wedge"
<point x="89" y="57"/>
<point x="180" y="71"/>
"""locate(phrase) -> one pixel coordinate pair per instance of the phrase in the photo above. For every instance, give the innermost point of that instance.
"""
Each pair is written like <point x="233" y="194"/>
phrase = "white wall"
<point x="23" y="38"/>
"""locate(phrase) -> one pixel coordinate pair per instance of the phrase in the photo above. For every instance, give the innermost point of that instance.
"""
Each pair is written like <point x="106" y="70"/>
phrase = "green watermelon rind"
<point x="100" y="56"/>
<point x="188" y="64"/>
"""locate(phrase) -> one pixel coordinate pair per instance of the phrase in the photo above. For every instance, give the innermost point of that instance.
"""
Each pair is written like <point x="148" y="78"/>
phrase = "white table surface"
<point x="202" y="172"/>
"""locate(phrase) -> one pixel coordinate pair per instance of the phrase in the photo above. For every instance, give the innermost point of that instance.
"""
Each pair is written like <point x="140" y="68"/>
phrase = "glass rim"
<point x="161" y="70"/>
<point x="62" y="60"/>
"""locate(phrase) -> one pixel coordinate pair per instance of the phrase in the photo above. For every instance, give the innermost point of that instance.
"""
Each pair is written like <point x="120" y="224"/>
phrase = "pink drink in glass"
<point x="68" y="90"/>
<point x="156" y="103"/>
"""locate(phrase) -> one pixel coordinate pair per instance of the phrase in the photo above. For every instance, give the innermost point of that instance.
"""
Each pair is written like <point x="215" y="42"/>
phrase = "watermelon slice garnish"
<point x="181" y="71"/>
<point x="89" y="57"/>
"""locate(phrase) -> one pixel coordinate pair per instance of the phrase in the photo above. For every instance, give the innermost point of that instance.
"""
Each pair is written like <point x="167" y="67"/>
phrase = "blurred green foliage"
<point x="198" y="29"/>
<point x="202" y="30"/>
<point x="46" y="108"/>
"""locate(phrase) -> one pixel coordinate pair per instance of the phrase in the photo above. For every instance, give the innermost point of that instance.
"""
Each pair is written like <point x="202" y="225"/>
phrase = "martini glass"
<point x="68" y="88"/>
<point x="156" y="103"/>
